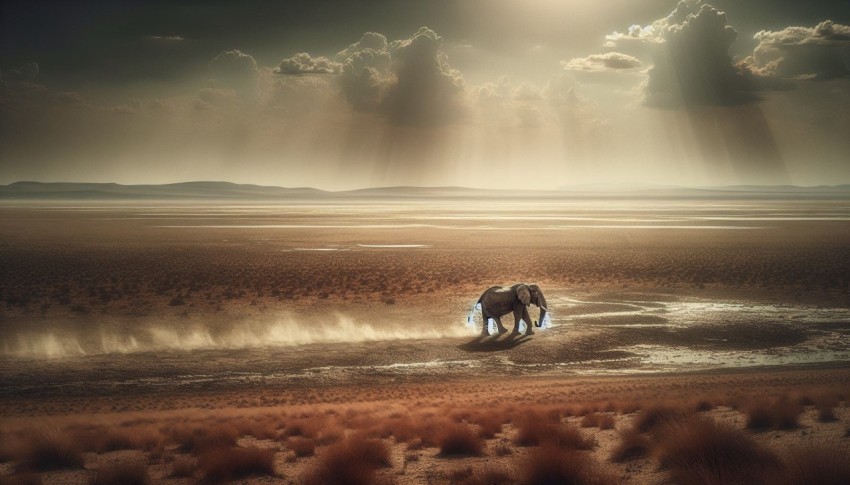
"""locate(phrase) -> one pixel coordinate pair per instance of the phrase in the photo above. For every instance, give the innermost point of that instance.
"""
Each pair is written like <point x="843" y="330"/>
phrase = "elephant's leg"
<point x="517" y="316"/>
<point x="528" y="324"/>
<point x="486" y="318"/>
<point x="502" y="328"/>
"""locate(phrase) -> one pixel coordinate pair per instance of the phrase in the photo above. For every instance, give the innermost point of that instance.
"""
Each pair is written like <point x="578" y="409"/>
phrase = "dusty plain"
<point x="326" y="342"/>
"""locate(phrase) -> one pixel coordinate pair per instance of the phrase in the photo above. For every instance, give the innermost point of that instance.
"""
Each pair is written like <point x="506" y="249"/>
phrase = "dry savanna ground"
<point x="754" y="427"/>
<point x="186" y="415"/>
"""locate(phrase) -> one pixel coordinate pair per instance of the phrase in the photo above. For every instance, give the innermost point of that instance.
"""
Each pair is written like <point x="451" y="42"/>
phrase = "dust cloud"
<point x="51" y="344"/>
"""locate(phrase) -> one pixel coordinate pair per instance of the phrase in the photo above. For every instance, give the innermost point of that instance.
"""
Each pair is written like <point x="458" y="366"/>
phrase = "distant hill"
<point x="231" y="191"/>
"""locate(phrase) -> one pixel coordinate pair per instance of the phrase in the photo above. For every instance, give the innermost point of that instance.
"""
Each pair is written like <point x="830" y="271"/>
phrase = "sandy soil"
<point x="115" y="315"/>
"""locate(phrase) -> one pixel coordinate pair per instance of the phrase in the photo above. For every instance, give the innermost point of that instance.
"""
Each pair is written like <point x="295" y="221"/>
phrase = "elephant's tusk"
<point x="543" y="308"/>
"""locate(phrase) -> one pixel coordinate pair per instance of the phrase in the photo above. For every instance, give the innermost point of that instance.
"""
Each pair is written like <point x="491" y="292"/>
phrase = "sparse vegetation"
<point x="554" y="465"/>
<point x="227" y="463"/>
<point x="123" y="473"/>
<point x="773" y="414"/>
<point x="352" y="461"/>
<point x="459" y="440"/>
<point x="49" y="449"/>
<point x="698" y="450"/>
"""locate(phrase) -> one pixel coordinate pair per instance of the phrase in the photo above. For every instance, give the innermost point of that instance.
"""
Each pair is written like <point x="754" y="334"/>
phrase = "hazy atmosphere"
<point x="497" y="94"/>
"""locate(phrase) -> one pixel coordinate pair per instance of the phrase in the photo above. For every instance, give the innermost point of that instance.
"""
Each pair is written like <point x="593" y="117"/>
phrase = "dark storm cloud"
<point x="821" y="52"/>
<point x="693" y="65"/>
<point x="409" y="80"/>
<point x="26" y="72"/>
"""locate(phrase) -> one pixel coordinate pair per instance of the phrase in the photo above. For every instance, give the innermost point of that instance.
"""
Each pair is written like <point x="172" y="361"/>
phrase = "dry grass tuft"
<point x="183" y="466"/>
<point x="632" y="445"/>
<point x="200" y="438"/>
<point x="227" y="463"/>
<point x="125" y="473"/>
<point x="553" y="465"/>
<point x="825" y="405"/>
<point x="817" y="464"/>
<point x="776" y="414"/>
<point x="652" y="417"/>
<point x="301" y="446"/>
<point x="487" y="476"/>
<point x="535" y="433"/>
<point x="698" y="450"/>
<point x="459" y="440"/>
<point x="50" y="449"/>
<point x="352" y="461"/>
<point x="27" y="478"/>
<point x="598" y="420"/>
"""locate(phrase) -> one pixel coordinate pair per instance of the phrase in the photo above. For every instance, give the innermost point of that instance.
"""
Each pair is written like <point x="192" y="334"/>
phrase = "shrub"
<point x="125" y="473"/>
<point x="488" y="476"/>
<point x="553" y="465"/>
<point x="183" y="466"/>
<point x="197" y="438"/>
<point x="777" y="414"/>
<point x="352" y="461"/>
<point x="535" y="433"/>
<point x="50" y="449"/>
<point x="698" y="450"/>
<point x="459" y="440"/>
<point x="301" y="446"/>
<point x="598" y="420"/>
<point x="222" y="464"/>
<point x="651" y="418"/>
<point x="820" y="464"/>
<point x="632" y="445"/>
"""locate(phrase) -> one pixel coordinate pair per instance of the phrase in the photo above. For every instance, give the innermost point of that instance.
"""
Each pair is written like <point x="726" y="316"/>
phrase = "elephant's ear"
<point x="523" y="294"/>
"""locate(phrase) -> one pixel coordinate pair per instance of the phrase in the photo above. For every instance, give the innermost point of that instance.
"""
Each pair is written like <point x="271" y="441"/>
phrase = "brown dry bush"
<point x="598" y="420"/>
<point x="226" y="463"/>
<point x="352" y="461"/>
<point x="27" y="478"/>
<point x="183" y="466"/>
<point x="816" y="464"/>
<point x="49" y="449"/>
<point x="553" y="465"/>
<point x="459" y="440"/>
<point x="535" y="433"/>
<point x="698" y="450"/>
<point x="190" y="438"/>
<point x="652" y="417"/>
<point x="776" y="414"/>
<point x="632" y="445"/>
<point x="825" y="405"/>
<point x="487" y="476"/>
<point x="301" y="446"/>
<point x="124" y="473"/>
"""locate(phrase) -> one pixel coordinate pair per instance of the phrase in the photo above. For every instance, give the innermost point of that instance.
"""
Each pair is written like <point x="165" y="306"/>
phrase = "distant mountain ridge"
<point x="207" y="190"/>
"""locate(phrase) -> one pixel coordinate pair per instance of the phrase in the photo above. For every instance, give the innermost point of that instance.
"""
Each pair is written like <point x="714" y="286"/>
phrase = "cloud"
<point x="427" y="90"/>
<point x="693" y="66"/>
<point x="26" y="72"/>
<point x="369" y="41"/>
<point x="166" y="38"/>
<point x="236" y="70"/>
<point x="820" y="52"/>
<point x="303" y="63"/>
<point x="409" y="80"/>
<point x="609" y="61"/>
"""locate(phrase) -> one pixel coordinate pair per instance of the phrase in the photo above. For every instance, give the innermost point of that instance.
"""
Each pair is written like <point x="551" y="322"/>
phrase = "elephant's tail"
<point x="470" y="319"/>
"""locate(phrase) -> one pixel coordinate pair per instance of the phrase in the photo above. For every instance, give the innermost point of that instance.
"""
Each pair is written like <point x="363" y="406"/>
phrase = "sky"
<point x="523" y="94"/>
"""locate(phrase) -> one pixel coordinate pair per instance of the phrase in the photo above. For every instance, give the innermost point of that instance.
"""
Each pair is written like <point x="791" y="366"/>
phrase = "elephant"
<point x="498" y="301"/>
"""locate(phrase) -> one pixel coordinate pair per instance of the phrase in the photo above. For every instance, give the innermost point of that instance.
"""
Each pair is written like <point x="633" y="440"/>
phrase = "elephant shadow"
<point x="494" y="343"/>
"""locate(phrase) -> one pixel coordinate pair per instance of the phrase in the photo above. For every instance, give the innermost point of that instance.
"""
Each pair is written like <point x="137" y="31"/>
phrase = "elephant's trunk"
<point x="541" y="302"/>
